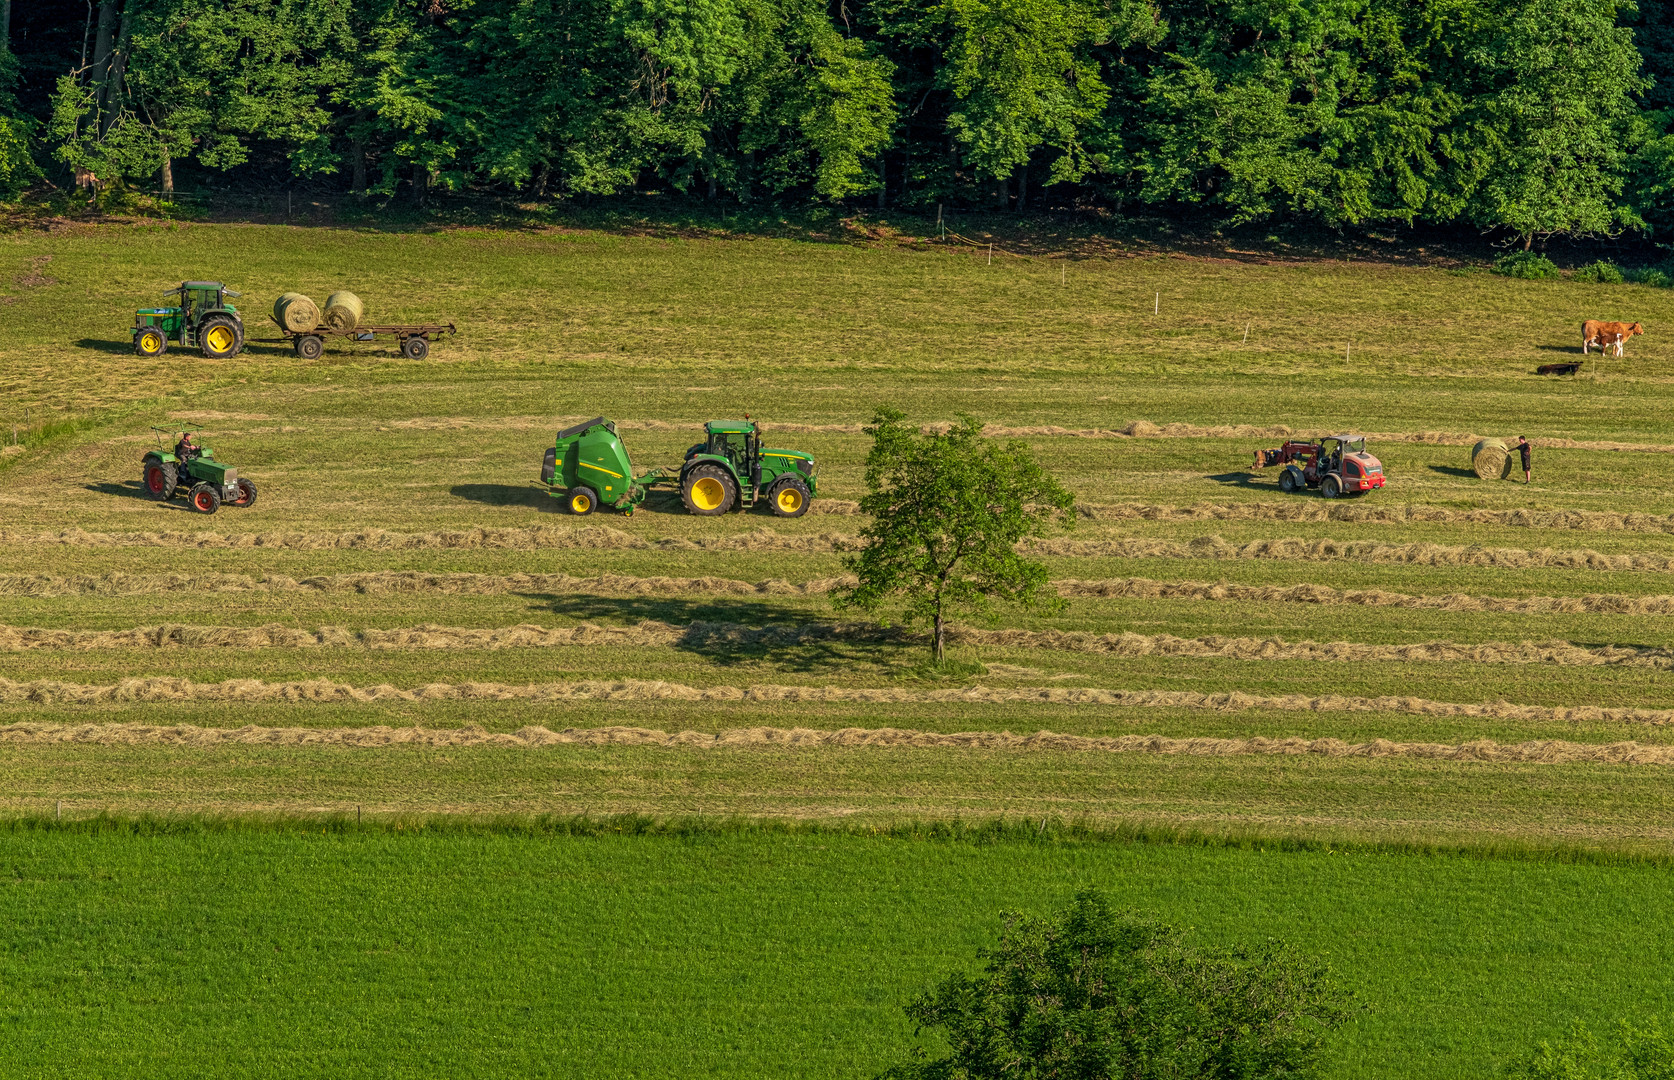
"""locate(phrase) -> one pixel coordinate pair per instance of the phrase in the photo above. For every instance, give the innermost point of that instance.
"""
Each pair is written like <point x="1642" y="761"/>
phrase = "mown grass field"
<point x="403" y="621"/>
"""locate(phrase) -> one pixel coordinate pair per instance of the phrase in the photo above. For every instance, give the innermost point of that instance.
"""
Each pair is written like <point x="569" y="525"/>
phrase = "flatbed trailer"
<point x="414" y="338"/>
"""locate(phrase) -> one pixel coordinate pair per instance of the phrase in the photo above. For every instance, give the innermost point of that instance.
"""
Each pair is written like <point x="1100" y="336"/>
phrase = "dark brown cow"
<point x="1606" y="334"/>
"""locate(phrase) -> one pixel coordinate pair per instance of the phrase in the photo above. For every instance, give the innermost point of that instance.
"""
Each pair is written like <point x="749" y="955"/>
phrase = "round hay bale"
<point x="343" y="311"/>
<point x="1491" y="459"/>
<point x="296" y="312"/>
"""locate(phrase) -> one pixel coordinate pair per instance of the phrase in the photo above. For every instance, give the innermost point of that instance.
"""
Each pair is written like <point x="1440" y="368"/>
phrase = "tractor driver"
<point x="186" y="449"/>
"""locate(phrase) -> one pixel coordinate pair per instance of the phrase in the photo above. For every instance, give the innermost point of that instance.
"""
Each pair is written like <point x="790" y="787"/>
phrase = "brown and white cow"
<point x="1606" y="334"/>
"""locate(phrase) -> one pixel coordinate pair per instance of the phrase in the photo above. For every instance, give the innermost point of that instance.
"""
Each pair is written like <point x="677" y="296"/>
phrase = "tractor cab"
<point x="737" y="441"/>
<point x="202" y="320"/>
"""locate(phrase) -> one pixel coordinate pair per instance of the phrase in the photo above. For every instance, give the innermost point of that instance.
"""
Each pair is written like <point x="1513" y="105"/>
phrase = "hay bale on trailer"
<point x="343" y="311"/>
<point x="296" y="312"/>
<point x="1491" y="459"/>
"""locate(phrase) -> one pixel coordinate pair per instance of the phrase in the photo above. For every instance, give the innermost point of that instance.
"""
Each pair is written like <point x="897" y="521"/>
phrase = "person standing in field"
<point x="1523" y="449"/>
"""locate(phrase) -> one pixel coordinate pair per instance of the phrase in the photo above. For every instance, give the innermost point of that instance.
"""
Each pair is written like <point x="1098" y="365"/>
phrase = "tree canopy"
<point x="1529" y="116"/>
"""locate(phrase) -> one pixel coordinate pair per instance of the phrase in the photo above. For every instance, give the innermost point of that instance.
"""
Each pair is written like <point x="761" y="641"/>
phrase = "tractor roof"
<point x="730" y="427"/>
<point x="202" y="285"/>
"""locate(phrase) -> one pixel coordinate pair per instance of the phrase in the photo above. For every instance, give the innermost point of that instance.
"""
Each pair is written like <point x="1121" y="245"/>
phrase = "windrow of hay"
<point x="1384" y="514"/>
<point x="406" y="581"/>
<point x="1136" y="429"/>
<point x="1545" y="751"/>
<point x="1298" y="549"/>
<point x="531" y="538"/>
<point x="718" y="636"/>
<point x="1309" y="593"/>
<point x="160" y="690"/>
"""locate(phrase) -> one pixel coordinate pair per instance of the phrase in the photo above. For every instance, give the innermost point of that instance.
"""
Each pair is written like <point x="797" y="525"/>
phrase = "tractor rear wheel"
<point x="582" y="501"/>
<point x="708" y="491"/>
<point x="246" y="494"/>
<point x="309" y="347"/>
<point x="1331" y="487"/>
<point x="219" y="337"/>
<point x="151" y="342"/>
<point x="788" y="498"/>
<point x="204" y="498"/>
<point x="159" y="478"/>
<point x="415" y="348"/>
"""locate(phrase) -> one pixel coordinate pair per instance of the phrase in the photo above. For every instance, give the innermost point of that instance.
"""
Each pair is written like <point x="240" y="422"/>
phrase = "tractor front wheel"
<point x="220" y="338"/>
<point x="151" y="342"/>
<point x="246" y="495"/>
<point x="1331" y="487"/>
<point x="204" y="498"/>
<point x="708" y="491"/>
<point x="582" y="501"/>
<point x="309" y="347"/>
<point x="789" y="498"/>
<point x="415" y="348"/>
<point x="1287" y="482"/>
<point x="159" y="477"/>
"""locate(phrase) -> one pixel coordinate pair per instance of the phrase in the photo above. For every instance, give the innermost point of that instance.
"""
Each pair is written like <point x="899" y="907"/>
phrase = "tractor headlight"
<point x="808" y="466"/>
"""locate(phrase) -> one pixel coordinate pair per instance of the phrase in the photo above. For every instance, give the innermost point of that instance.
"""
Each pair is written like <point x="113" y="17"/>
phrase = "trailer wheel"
<point x="151" y="342"/>
<point x="415" y="348"/>
<point x="205" y="499"/>
<point x="246" y="494"/>
<point x="1331" y="487"/>
<point x="708" y="491"/>
<point x="789" y="498"/>
<point x="159" y="477"/>
<point x="309" y="347"/>
<point x="582" y="501"/>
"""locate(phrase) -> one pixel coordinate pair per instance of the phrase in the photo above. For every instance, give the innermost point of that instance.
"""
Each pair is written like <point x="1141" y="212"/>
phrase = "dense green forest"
<point x="1532" y="117"/>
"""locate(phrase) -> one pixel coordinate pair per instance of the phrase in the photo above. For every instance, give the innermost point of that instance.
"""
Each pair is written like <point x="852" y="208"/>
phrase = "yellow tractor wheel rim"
<point x="149" y="343"/>
<point x="707" y="493"/>
<point x="581" y="504"/>
<point x="790" y="500"/>
<point x="220" y="338"/>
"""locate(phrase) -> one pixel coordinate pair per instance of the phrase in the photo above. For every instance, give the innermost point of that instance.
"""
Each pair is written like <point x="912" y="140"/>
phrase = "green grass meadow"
<point x="209" y="908"/>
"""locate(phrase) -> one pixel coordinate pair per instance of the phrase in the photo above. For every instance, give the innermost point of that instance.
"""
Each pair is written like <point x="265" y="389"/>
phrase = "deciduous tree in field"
<point x="1088" y="994"/>
<point x="1634" y="1054"/>
<point x="947" y="512"/>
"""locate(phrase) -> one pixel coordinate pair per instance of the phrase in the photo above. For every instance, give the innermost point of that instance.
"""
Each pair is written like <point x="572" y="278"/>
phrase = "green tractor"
<point x="208" y="484"/>
<point x="203" y="321"/>
<point x="587" y="466"/>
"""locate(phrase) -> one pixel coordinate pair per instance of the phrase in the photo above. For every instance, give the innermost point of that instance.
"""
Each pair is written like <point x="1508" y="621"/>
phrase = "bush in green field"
<point x="1604" y="272"/>
<point x="1652" y="276"/>
<point x="1529" y="265"/>
<point x="1088" y="993"/>
<point x="1634" y="1054"/>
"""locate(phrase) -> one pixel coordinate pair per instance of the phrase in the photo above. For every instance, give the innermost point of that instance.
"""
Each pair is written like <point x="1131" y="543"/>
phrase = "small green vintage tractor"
<point x="587" y="466"/>
<point x="207" y="483"/>
<point x="203" y="321"/>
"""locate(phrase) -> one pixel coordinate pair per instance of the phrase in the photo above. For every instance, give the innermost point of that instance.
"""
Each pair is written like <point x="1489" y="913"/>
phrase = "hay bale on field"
<point x="1491" y="459"/>
<point x="296" y="312"/>
<point x="343" y="311"/>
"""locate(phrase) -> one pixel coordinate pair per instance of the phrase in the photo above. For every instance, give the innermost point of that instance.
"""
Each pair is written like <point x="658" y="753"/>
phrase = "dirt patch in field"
<point x="712" y="636"/>
<point x="164" y="690"/>
<point x="34" y="278"/>
<point x="1548" y="751"/>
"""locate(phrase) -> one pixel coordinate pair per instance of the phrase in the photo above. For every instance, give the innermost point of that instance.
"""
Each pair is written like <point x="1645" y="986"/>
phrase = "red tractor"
<point x="1336" y="464"/>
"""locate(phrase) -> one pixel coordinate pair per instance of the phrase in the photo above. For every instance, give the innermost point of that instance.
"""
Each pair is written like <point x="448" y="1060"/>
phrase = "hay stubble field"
<point x="1457" y="688"/>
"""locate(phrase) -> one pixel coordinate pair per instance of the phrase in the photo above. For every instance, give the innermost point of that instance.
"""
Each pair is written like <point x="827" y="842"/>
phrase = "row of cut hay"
<point x="1382" y="513"/>
<point x="531" y="538"/>
<point x="166" y="690"/>
<point x="1547" y="751"/>
<point x="1299" y="549"/>
<point x="712" y="636"/>
<point x="1136" y="429"/>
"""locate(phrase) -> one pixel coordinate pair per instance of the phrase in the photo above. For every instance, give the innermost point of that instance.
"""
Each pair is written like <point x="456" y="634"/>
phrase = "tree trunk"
<point x="1022" y="188"/>
<point x="421" y="184"/>
<point x="166" y="176"/>
<point x="941" y="636"/>
<point x="883" y="183"/>
<point x="118" y="69"/>
<point x="101" y="56"/>
<point x="1528" y="239"/>
<point x="357" y="162"/>
<point x="6" y="24"/>
<point x="714" y="188"/>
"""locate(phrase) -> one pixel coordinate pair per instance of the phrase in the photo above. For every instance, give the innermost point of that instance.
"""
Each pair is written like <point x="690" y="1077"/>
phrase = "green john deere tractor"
<point x="587" y="466"/>
<point x="203" y="321"/>
<point x="208" y="484"/>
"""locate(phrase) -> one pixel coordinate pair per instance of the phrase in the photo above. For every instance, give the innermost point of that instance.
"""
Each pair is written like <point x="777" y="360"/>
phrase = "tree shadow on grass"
<point x="728" y="630"/>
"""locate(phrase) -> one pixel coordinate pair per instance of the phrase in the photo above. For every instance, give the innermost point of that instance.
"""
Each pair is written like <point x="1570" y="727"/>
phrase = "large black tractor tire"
<point x="246" y="495"/>
<point x="582" y="501"/>
<point x="708" y="491"/>
<point x="204" y="498"/>
<point x="309" y="347"/>
<point x="220" y="337"/>
<point x="789" y="497"/>
<point x="1287" y="482"/>
<point x="415" y="348"/>
<point x="150" y="342"/>
<point x="159" y="478"/>
<point x="1331" y="487"/>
